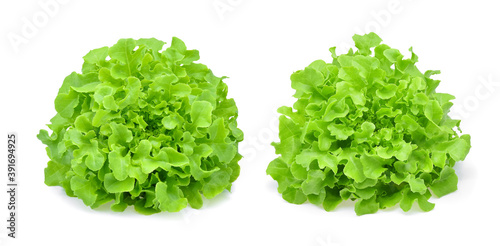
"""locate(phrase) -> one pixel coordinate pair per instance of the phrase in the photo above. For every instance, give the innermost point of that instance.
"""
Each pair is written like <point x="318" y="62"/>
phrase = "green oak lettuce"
<point x="143" y="126"/>
<point x="370" y="127"/>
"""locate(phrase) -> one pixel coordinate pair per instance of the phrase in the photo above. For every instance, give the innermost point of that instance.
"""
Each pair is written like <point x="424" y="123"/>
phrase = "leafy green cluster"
<point x="369" y="128"/>
<point x="143" y="127"/>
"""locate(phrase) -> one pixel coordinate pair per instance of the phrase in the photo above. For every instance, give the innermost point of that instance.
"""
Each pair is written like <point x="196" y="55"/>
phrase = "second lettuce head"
<point x="367" y="126"/>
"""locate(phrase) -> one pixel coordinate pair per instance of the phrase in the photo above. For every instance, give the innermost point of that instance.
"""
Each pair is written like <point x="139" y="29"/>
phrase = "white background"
<point x="258" y="44"/>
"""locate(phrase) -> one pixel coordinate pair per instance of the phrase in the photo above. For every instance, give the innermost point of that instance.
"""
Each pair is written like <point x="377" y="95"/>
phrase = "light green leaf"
<point x="170" y="197"/>
<point x="365" y="42"/>
<point x="346" y="89"/>
<point x="387" y="91"/>
<point x="119" y="164"/>
<point x="336" y="109"/>
<point x="84" y="190"/>
<point x="341" y="132"/>
<point x="433" y="112"/>
<point x="369" y="206"/>
<point x="201" y="114"/>
<point x="279" y="171"/>
<point x="417" y="185"/>
<point x="295" y="196"/>
<point x="65" y="103"/>
<point x="289" y="135"/>
<point x="215" y="184"/>
<point x="314" y="182"/>
<point x="112" y="185"/>
<point x="354" y="169"/>
<point x="373" y="166"/>
<point x="55" y="173"/>
<point x="393" y="55"/>
<point x="446" y="184"/>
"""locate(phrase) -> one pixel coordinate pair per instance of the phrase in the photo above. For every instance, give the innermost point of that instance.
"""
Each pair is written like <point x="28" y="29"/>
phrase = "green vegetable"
<point x="370" y="127"/>
<point x="143" y="127"/>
